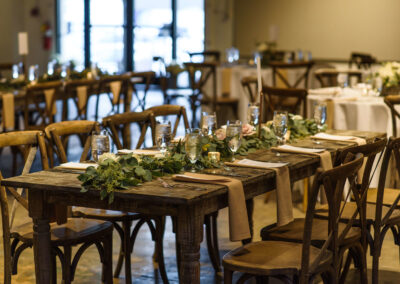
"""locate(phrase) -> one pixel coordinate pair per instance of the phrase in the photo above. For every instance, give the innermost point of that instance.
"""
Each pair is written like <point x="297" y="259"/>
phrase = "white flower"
<point x="297" y="117"/>
<point x="107" y="156"/>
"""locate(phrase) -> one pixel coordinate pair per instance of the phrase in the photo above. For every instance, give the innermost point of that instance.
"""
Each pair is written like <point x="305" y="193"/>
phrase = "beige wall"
<point x="329" y="28"/>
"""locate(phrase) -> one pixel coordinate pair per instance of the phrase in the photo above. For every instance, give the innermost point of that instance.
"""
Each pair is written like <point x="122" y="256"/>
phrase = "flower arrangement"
<point x="121" y="172"/>
<point x="390" y="74"/>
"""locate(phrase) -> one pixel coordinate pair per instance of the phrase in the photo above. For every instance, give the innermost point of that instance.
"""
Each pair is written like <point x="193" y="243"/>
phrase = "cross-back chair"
<point x="79" y="91"/>
<point x="119" y="126"/>
<point x="144" y="81"/>
<point x="207" y="55"/>
<point x="40" y="104"/>
<point x="392" y="101"/>
<point x="277" y="72"/>
<point x="328" y="77"/>
<point x="199" y="76"/>
<point x="300" y="262"/>
<point x="361" y="60"/>
<point x="116" y="88"/>
<point x="5" y="68"/>
<point x="250" y="85"/>
<point x="284" y="99"/>
<point x="57" y="132"/>
<point x="74" y="232"/>
<point x="167" y="110"/>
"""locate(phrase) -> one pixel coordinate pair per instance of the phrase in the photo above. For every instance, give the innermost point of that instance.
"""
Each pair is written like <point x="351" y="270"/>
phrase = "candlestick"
<point x="259" y="83"/>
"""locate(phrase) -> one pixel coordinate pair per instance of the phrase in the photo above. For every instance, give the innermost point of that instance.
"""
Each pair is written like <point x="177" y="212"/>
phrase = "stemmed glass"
<point x="253" y="112"/>
<point x="320" y="115"/>
<point x="163" y="136"/>
<point x="208" y="123"/>
<point x="100" y="144"/>
<point x="234" y="135"/>
<point x="192" y="146"/>
<point x="280" y="125"/>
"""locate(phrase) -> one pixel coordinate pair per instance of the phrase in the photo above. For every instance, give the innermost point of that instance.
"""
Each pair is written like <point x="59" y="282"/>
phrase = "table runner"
<point x="8" y="111"/>
<point x="239" y="228"/>
<point x="81" y="93"/>
<point x="50" y="101"/>
<point x="115" y="90"/>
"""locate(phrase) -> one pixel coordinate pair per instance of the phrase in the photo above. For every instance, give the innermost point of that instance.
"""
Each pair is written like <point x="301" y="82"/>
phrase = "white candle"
<point x="259" y="74"/>
<point x="23" y="43"/>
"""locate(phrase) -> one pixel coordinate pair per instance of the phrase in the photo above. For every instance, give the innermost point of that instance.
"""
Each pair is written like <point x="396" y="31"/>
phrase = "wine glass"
<point x="320" y="115"/>
<point x="100" y="145"/>
<point x="234" y="135"/>
<point x="280" y="125"/>
<point x="163" y="136"/>
<point x="192" y="146"/>
<point x="253" y="112"/>
<point x="208" y="123"/>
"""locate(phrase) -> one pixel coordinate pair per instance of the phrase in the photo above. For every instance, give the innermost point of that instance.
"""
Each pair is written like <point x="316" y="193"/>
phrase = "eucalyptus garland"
<point x="123" y="172"/>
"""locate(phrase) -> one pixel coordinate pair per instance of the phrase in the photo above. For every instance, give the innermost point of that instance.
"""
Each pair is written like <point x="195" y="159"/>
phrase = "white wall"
<point x="329" y="28"/>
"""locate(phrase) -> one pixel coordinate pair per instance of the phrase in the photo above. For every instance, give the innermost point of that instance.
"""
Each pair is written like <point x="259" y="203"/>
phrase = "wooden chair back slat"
<point x="119" y="126"/>
<point x="207" y="55"/>
<point x="327" y="77"/>
<point x="71" y="92"/>
<point x="166" y="110"/>
<point x="277" y="68"/>
<point x="250" y="85"/>
<point x="392" y="101"/>
<point x="58" y="133"/>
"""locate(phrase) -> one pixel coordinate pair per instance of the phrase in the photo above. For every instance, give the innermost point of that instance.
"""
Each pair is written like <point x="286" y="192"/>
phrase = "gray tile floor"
<point x="145" y="270"/>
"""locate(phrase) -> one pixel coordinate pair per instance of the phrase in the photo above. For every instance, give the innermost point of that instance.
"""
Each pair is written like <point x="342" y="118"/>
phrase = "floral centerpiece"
<point x="389" y="73"/>
<point x="123" y="172"/>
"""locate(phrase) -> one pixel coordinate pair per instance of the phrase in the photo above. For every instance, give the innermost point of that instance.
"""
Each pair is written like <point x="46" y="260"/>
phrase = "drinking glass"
<point x="234" y="135"/>
<point x="253" y="112"/>
<point x="208" y="123"/>
<point x="320" y="115"/>
<point x="163" y="136"/>
<point x="15" y="71"/>
<point x="33" y="73"/>
<point x="100" y="145"/>
<point x="192" y="145"/>
<point x="280" y="125"/>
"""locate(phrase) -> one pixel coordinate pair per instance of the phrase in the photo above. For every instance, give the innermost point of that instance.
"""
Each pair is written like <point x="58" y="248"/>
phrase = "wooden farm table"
<point x="184" y="201"/>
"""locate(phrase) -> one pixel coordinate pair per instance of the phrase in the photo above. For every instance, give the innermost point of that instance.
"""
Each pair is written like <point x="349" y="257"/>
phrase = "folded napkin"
<point x="8" y="111"/>
<point x="76" y="166"/>
<point x="238" y="221"/>
<point x="140" y="152"/>
<point x="50" y="101"/>
<point x="82" y="98"/>
<point x="115" y="90"/>
<point x="332" y="91"/>
<point x="284" y="206"/>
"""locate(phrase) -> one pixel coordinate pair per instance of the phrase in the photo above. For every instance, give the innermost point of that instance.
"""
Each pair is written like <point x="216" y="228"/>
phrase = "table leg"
<point x="42" y="250"/>
<point x="250" y="209"/>
<point x="190" y="221"/>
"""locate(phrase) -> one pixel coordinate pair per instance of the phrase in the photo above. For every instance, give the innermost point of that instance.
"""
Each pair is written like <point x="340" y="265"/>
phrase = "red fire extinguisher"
<point x="47" y="35"/>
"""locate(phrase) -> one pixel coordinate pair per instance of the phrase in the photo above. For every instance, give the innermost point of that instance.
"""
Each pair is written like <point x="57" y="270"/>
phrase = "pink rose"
<point x="247" y="129"/>
<point x="220" y="133"/>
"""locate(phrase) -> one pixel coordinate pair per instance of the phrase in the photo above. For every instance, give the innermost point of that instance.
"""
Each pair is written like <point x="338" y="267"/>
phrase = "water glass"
<point x="15" y="71"/>
<point x="192" y="145"/>
<point x="33" y="74"/>
<point x="100" y="145"/>
<point x="163" y="136"/>
<point x="253" y="112"/>
<point x="208" y="123"/>
<point x="320" y="115"/>
<point x="234" y="135"/>
<point x="280" y="125"/>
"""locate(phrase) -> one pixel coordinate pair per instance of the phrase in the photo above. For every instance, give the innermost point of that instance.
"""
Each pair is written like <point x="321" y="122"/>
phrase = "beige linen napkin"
<point x="330" y="113"/>
<point x="238" y="221"/>
<point x="50" y="101"/>
<point x="8" y="111"/>
<point x="81" y="93"/>
<point x="284" y="205"/>
<point x="226" y="81"/>
<point x="115" y="90"/>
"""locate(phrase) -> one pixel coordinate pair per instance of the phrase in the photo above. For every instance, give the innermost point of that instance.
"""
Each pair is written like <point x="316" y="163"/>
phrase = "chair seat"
<point x="102" y="214"/>
<point x="294" y="231"/>
<point x="75" y="231"/>
<point x="389" y="195"/>
<point x="351" y="206"/>
<point x="270" y="258"/>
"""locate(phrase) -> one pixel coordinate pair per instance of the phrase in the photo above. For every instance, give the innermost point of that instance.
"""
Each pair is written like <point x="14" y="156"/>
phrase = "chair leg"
<point x="228" y="276"/>
<point x="212" y="241"/>
<point x="126" y="226"/>
<point x="120" y="261"/>
<point x="67" y="265"/>
<point x="160" y="228"/>
<point x="96" y="115"/>
<point x="54" y="272"/>
<point x="107" y="263"/>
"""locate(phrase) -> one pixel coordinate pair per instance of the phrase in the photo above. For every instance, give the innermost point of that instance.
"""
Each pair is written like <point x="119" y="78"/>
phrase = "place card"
<point x="258" y="164"/>
<point x="299" y="149"/>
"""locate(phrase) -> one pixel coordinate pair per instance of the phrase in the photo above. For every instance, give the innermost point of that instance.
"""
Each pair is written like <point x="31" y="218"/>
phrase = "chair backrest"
<point x="391" y="101"/>
<point x="166" y="110"/>
<point x="107" y="83"/>
<point x="78" y="91"/>
<point x="5" y="68"/>
<point x="29" y="142"/>
<point x="361" y="60"/>
<point x="59" y="133"/>
<point x="333" y="182"/>
<point x="278" y="67"/>
<point x="39" y="107"/>
<point x="119" y="126"/>
<point x="283" y="99"/>
<point x="250" y="85"/>
<point x="199" y="75"/>
<point x="206" y="56"/>
<point x="329" y="77"/>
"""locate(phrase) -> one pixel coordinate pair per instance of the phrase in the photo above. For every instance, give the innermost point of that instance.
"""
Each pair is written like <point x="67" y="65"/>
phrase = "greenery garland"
<point x="122" y="172"/>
